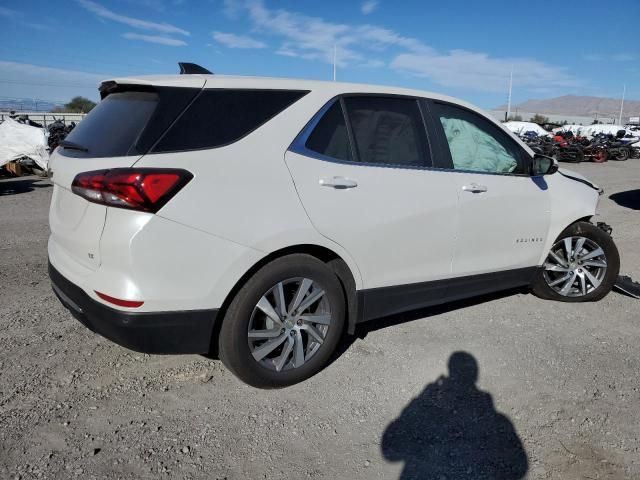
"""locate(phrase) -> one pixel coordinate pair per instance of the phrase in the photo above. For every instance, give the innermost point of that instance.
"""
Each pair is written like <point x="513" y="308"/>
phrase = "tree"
<point x="515" y="118"/>
<point x="539" y="119"/>
<point x="595" y="122"/>
<point x="77" y="105"/>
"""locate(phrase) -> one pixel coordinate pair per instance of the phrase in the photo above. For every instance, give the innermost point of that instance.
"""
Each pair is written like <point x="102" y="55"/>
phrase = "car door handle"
<point x="474" y="188"/>
<point x="338" y="182"/>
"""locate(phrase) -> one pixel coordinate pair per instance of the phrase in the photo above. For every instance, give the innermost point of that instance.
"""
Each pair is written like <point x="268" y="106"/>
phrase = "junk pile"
<point x="25" y="144"/>
<point x="578" y="143"/>
<point x="58" y="132"/>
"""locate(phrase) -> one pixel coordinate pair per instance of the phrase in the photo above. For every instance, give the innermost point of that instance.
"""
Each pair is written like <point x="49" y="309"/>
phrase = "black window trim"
<point x="299" y="143"/>
<point x="444" y="152"/>
<point x="202" y="91"/>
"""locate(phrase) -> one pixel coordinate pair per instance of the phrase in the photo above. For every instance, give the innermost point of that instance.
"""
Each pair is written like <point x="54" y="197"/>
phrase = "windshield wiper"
<point x="73" y="146"/>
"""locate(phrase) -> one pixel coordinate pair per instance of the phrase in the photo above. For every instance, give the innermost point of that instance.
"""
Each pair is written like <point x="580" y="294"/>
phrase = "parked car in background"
<point x="261" y="218"/>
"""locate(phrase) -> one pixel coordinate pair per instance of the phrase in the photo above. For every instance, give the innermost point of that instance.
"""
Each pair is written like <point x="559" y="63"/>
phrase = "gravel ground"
<point x="557" y="394"/>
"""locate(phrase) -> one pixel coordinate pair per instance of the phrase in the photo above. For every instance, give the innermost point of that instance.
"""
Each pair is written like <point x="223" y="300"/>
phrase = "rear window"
<point x="220" y="117"/>
<point x="170" y="119"/>
<point x="114" y="125"/>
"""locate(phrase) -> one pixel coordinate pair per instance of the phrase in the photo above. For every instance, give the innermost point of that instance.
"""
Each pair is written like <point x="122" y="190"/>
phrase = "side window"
<point x="219" y="117"/>
<point x="476" y="144"/>
<point x="388" y="130"/>
<point x="330" y="137"/>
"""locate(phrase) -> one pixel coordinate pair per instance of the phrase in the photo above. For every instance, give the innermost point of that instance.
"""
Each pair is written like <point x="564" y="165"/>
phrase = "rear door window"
<point x="220" y="117"/>
<point x="388" y="130"/>
<point x="112" y="128"/>
<point x="330" y="137"/>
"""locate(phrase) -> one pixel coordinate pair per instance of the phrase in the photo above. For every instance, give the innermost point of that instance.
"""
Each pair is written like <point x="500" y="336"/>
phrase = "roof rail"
<point x="192" y="68"/>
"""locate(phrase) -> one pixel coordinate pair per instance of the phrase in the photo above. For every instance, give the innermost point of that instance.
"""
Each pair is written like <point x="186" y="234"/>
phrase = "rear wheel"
<point x="622" y="155"/>
<point x="284" y="323"/>
<point x="582" y="266"/>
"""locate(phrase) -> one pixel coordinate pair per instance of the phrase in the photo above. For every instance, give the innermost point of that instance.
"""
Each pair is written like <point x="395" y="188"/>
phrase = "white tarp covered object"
<point x="591" y="130"/>
<point x="520" y="128"/>
<point x="18" y="140"/>
<point x="575" y="129"/>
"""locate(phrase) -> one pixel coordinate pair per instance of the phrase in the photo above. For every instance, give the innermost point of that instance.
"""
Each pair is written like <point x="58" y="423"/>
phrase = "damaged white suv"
<point x="260" y="219"/>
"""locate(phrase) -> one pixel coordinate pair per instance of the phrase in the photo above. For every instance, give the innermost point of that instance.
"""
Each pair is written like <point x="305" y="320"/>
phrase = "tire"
<point x="247" y="330"/>
<point x="576" y="278"/>
<point x="599" y="156"/>
<point x="622" y="155"/>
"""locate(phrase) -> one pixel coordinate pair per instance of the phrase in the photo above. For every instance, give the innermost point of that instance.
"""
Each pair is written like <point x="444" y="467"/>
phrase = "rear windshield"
<point x="174" y="119"/>
<point x="114" y="125"/>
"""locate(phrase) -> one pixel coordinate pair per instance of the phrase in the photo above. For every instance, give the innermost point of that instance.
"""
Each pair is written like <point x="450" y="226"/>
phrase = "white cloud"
<point x="479" y="71"/>
<point x="57" y="75"/>
<point x="103" y="12"/>
<point x="368" y="7"/>
<point x="172" y="42"/>
<point x="6" y="12"/>
<point x="232" y="40"/>
<point x="313" y="38"/>
<point x="624" y="57"/>
<point x="25" y="80"/>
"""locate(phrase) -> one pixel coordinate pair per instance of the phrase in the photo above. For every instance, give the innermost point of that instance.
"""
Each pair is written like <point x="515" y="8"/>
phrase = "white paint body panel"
<point x="500" y="229"/>
<point x="398" y="223"/>
<point x="252" y="198"/>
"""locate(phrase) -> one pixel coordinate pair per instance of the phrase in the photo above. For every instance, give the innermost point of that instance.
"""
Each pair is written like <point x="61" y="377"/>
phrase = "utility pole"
<point x="334" y="62"/>
<point x="624" y="90"/>
<point x="510" y="87"/>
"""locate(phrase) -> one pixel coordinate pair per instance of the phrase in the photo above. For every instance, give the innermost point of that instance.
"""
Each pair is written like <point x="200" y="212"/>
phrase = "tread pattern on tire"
<point x="233" y="346"/>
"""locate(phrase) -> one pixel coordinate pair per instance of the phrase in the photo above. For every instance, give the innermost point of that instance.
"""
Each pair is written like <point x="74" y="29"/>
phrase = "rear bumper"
<point x="148" y="332"/>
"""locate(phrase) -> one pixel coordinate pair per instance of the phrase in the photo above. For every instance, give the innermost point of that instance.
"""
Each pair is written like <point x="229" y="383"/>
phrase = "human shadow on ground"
<point x="629" y="199"/>
<point x="15" y="186"/>
<point x="452" y="431"/>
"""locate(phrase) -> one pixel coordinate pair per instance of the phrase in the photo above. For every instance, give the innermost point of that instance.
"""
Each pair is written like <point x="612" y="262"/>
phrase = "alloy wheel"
<point x="575" y="267"/>
<point x="289" y="324"/>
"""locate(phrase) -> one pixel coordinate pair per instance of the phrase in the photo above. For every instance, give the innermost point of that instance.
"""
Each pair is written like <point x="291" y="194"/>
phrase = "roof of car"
<point x="231" y="81"/>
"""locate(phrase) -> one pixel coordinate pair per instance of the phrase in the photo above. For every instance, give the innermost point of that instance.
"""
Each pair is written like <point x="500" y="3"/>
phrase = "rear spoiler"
<point x="111" y="86"/>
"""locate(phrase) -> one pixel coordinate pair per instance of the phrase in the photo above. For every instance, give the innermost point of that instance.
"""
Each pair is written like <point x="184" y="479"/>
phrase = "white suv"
<point x="260" y="218"/>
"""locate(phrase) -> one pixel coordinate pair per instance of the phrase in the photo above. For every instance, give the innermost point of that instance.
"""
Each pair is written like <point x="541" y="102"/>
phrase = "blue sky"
<point x="53" y="50"/>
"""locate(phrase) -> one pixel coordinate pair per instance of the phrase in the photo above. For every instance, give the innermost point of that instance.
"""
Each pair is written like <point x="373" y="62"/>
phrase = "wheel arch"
<point x="328" y="256"/>
<point x="555" y="233"/>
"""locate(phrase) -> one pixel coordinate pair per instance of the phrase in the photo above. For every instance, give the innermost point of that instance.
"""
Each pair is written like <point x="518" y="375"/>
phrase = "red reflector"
<point x="119" y="302"/>
<point x="144" y="189"/>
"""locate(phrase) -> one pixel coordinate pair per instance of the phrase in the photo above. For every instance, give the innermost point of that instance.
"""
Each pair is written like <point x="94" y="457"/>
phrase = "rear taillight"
<point x="144" y="189"/>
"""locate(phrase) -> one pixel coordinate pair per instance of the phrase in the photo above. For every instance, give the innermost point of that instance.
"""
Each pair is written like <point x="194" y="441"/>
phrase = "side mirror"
<point x="543" y="165"/>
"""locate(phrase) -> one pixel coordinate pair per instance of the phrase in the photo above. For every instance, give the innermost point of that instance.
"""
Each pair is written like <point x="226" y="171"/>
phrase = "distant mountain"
<point x="578" y="106"/>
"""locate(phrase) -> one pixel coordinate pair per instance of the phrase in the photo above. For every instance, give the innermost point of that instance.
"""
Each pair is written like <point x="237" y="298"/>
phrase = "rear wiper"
<point x="73" y="146"/>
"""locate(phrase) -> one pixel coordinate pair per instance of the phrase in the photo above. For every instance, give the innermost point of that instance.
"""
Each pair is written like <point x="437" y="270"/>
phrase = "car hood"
<point x="579" y="178"/>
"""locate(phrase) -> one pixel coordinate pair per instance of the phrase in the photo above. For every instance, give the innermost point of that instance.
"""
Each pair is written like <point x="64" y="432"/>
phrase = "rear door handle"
<point x="474" y="188"/>
<point x="338" y="182"/>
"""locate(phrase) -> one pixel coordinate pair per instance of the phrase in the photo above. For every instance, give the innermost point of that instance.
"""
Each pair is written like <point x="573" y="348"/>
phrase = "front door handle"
<point x="474" y="188"/>
<point x="338" y="182"/>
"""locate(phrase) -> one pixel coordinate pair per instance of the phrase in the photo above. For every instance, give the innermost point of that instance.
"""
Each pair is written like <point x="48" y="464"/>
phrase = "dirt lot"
<point x="558" y="393"/>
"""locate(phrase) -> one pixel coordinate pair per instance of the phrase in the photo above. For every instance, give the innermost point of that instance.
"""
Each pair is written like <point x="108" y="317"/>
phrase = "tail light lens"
<point x="143" y="189"/>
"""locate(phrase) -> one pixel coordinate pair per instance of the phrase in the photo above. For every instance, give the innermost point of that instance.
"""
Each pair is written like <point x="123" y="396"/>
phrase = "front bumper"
<point x="148" y="332"/>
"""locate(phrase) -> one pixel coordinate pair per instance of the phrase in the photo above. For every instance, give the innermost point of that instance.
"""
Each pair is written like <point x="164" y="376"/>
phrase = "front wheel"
<point x="284" y="324"/>
<point x="582" y="266"/>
